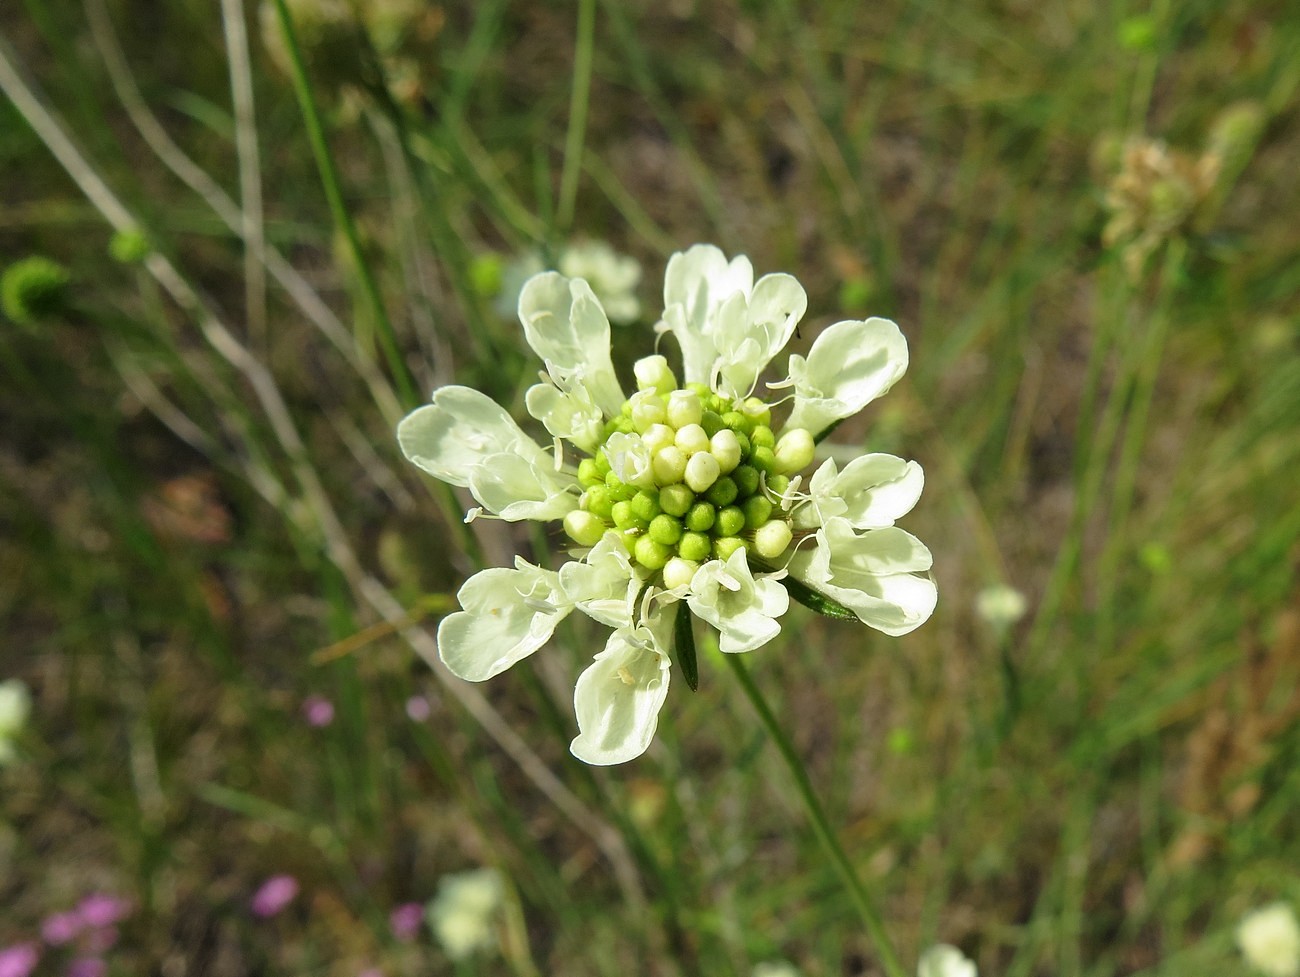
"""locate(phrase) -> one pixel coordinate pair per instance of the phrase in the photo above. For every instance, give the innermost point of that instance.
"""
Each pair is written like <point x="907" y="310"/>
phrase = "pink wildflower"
<point x="405" y="921"/>
<point x="318" y="711"/>
<point x="19" y="960"/>
<point x="276" y="893"/>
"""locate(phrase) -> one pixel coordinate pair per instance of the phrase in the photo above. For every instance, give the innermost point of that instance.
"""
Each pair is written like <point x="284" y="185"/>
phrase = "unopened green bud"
<point x="700" y="517"/>
<point x="602" y="463"/>
<point x="722" y="492"/>
<point x="653" y="373"/>
<point x="737" y="422"/>
<point x="694" y="546"/>
<point x="764" y="459"/>
<point x="684" y="408"/>
<point x="645" y="504"/>
<point x="711" y="422"/>
<point x="625" y="518"/>
<point x="794" y="452"/>
<point x="746" y="447"/>
<point x="757" y="511"/>
<point x="589" y="472"/>
<point x="132" y="247"/>
<point x="584" y="528"/>
<point x="772" y="538"/>
<point x="725" y="547"/>
<point x="777" y="484"/>
<point x="665" y="529"/>
<point x="746" y="478"/>
<point x="676" y="499"/>
<point x="596" y="500"/>
<point x="762" y="437"/>
<point x="759" y="413"/>
<point x="651" y="553"/>
<point x="701" y="471"/>
<point x="691" y="438"/>
<point x="618" y="492"/>
<point x="731" y="521"/>
<point x="679" y="572"/>
<point x="700" y="390"/>
<point x="725" y="446"/>
<point x="669" y="465"/>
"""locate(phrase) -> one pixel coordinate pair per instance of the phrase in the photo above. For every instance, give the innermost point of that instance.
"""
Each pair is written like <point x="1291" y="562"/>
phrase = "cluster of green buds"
<point x="685" y="475"/>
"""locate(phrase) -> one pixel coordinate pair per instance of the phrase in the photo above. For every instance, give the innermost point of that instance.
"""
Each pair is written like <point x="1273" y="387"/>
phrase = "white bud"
<point x="653" y="373"/>
<point x="794" y="452"/>
<point x="584" y="528"/>
<point x="772" y="538"/>
<point x="726" y="448"/>
<point x="669" y="465"/>
<point x="658" y="437"/>
<point x="692" y="438"/>
<point x="647" y="409"/>
<point x="679" y="572"/>
<point x="684" y="408"/>
<point x="702" y="471"/>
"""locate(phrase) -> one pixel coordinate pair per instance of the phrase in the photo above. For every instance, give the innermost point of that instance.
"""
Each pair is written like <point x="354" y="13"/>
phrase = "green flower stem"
<point x="577" y="132"/>
<point x="821" y="827"/>
<point x="386" y="335"/>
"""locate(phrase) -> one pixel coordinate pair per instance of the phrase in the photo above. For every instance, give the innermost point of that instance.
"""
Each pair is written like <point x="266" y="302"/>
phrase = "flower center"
<point x="685" y="475"/>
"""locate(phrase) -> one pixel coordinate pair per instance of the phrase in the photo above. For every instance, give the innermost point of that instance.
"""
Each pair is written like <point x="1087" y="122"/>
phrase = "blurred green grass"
<point x="1103" y="790"/>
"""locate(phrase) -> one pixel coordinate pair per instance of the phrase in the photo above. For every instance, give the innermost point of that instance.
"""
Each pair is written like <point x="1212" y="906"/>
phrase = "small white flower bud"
<point x="794" y="452"/>
<point x="584" y="528"/>
<point x="1269" y="939"/>
<point x="647" y="409"/>
<point x="669" y="465"/>
<point x="653" y="373"/>
<point x="684" y="408"/>
<point x="692" y="438"/>
<point x="658" y="437"/>
<point x="679" y="572"/>
<point x="772" y="538"/>
<point x="701" y="471"/>
<point x="726" y="448"/>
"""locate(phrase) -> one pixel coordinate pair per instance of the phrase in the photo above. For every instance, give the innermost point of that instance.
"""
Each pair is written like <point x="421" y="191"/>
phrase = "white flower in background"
<point x="464" y="913"/>
<point x="1000" y="606"/>
<point x="1269" y="939"/>
<point x="775" y="968"/>
<point x="613" y="277"/>
<point x="682" y="499"/>
<point x="943" y="960"/>
<point x="15" y="707"/>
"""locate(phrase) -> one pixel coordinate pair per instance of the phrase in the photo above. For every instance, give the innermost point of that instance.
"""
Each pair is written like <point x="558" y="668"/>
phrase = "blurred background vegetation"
<point x="1083" y="218"/>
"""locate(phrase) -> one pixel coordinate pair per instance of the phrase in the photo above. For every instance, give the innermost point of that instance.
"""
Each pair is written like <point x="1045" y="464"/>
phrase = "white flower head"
<point x="612" y="276"/>
<point x="943" y="960"/>
<point x="685" y="499"/>
<point x="775" y="968"/>
<point x="15" y="707"/>
<point x="464" y="914"/>
<point x="1000" y="606"/>
<point x="1269" y="939"/>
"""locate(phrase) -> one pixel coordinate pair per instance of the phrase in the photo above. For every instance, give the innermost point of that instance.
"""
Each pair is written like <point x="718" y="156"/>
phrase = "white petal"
<point x="566" y="326"/>
<point x="567" y="414"/>
<point x="850" y="365"/>
<point x="696" y="284"/>
<point x="629" y="459"/>
<point x="945" y="961"/>
<point x="508" y="614"/>
<point x="515" y="488"/>
<point x="746" y="344"/>
<point x="742" y="607"/>
<point x="879" y="489"/>
<point x="451" y="436"/>
<point x="603" y="584"/>
<point x="618" y="697"/>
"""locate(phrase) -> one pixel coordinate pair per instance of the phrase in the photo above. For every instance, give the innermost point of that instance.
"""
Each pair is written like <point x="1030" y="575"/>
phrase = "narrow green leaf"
<point x="684" y="638"/>
<point x="817" y="601"/>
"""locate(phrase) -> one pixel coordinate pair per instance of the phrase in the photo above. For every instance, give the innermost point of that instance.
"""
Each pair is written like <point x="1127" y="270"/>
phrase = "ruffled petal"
<point x="874" y="574"/>
<point x="603" y="584"/>
<point x="751" y="335"/>
<point x="850" y="365"/>
<point x="566" y="326"/>
<point x="696" y="284"/>
<point x="567" y="414"/>
<point x="452" y="435"/>
<point x="618" y="697"/>
<point x="515" y="488"/>
<point x="508" y="614"/>
<point x="871" y="493"/>
<point x="741" y="606"/>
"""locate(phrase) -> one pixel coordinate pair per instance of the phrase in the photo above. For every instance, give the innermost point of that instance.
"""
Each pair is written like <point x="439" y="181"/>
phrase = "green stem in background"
<point x="821" y="827"/>
<point x="578" y="101"/>
<point x="387" y="336"/>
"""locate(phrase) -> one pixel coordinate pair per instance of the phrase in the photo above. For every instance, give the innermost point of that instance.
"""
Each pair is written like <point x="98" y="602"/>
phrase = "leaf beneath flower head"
<point x="816" y="601"/>
<point x="684" y="640"/>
